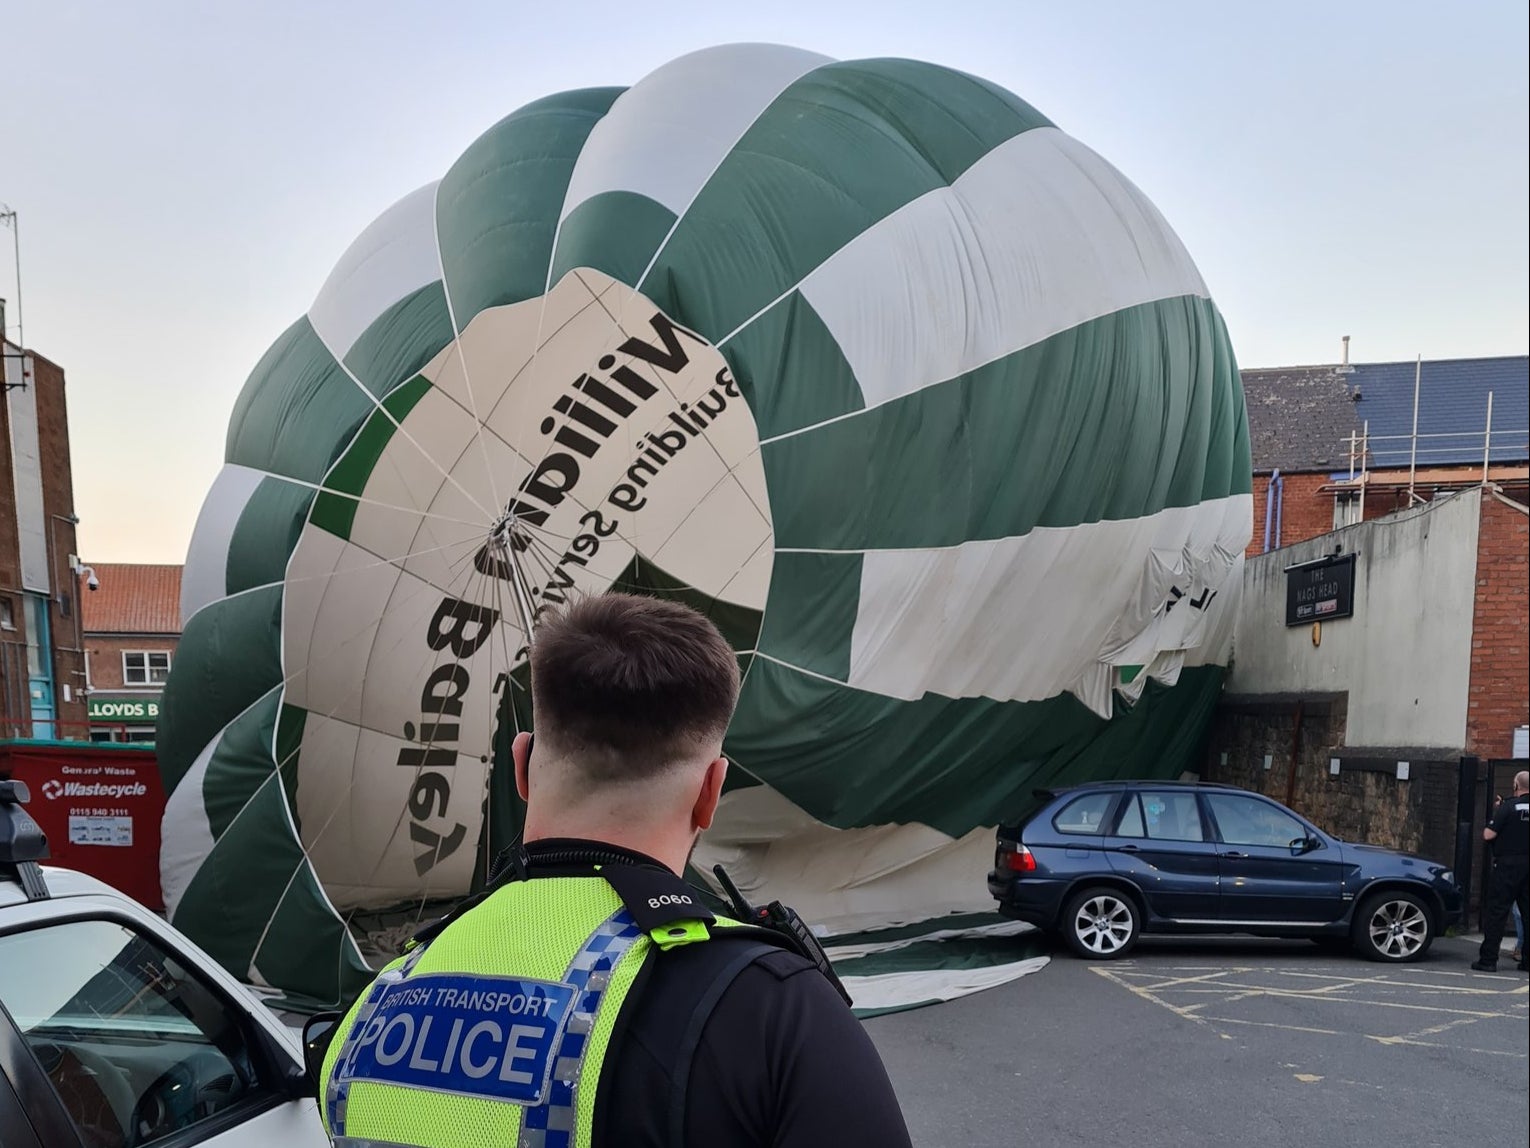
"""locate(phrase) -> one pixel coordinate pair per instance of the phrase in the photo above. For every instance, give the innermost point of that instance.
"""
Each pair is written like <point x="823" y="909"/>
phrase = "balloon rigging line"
<point x="320" y="488"/>
<point x="684" y="213"/>
<point x="451" y="312"/>
<point x="377" y="405"/>
<point x="536" y="350"/>
<point x="764" y="542"/>
<point x="540" y="555"/>
<point x="392" y="835"/>
<point x="280" y="765"/>
<point x="706" y="438"/>
<point x="472" y="596"/>
<point x="298" y="581"/>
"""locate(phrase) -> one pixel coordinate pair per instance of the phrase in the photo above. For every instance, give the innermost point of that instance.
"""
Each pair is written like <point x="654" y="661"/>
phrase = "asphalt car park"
<point x="1212" y="1041"/>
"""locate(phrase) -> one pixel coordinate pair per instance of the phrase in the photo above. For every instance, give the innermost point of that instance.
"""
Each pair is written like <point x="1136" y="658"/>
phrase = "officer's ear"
<point x="520" y="753"/>
<point x="711" y="792"/>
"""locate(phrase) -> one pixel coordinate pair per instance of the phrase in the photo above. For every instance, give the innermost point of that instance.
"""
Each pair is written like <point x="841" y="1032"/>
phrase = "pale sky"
<point x="187" y="173"/>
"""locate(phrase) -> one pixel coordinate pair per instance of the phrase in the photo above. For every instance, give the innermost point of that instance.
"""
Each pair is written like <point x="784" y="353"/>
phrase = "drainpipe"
<point x="1280" y="507"/>
<point x="1269" y="506"/>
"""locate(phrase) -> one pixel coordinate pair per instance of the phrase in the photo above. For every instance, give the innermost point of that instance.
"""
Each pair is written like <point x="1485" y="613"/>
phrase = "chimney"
<point x="1344" y="367"/>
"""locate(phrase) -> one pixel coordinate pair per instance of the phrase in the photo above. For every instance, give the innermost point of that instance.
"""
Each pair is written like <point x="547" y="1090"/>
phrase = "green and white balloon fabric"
<point x="915" y="394"/>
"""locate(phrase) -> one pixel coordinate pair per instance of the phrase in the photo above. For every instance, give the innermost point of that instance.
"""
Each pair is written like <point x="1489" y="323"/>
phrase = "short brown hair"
<point x="625" y="685"/>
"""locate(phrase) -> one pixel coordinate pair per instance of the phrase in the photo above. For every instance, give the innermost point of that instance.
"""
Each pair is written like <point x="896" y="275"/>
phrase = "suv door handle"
<point x="1129" y="849"/>
<point x="1234" y="853"/>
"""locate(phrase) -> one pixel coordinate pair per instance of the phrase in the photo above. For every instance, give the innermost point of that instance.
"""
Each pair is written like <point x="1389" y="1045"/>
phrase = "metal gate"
<point x="1481" y="781"/>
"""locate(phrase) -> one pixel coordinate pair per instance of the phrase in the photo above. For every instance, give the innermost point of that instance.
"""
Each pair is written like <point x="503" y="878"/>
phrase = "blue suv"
<point x="1102" y="864"/>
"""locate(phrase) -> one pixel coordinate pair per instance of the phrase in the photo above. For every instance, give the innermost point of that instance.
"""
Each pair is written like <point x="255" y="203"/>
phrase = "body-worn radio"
<point x="778" y="918"/>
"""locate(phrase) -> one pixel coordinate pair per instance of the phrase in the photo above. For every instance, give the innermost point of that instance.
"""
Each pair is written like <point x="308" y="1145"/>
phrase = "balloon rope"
<point x="377" y="406"/>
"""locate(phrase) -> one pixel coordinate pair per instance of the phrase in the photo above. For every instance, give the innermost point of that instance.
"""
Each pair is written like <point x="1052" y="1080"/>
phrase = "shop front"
<point x="123" y="717"/>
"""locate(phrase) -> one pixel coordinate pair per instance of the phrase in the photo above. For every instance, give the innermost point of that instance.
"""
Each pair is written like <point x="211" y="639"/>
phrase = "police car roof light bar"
<point x="22" y="841"/>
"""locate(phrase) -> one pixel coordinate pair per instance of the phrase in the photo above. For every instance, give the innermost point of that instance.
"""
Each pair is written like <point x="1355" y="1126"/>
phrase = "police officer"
<point x="1510" y="837"/>
<point x="589" y="996"/>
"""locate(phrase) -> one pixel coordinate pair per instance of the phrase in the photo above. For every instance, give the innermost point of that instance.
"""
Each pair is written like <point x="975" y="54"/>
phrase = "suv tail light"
<point x="1015" y="857"/>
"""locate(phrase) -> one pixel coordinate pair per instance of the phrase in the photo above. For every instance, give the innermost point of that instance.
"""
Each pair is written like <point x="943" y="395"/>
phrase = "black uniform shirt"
<point x="1512" y="824"/>
<point x="782" y="1063"/>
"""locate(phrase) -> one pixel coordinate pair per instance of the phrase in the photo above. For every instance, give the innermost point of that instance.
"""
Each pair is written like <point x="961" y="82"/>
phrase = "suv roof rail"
<point x="22" y="841"/>
<point x="1122" y="783"/>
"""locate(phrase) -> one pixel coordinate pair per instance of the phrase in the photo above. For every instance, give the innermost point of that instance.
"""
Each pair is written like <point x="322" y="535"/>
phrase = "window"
<point x="7" y="614"/>
<point x="1348" y="509"/>
<point x="1162" y="817"/>
<point x="39" y="659"/>
<point x="135" y="1047"/>
<point x="1249" y="821"/>
<point x="1084" y="814"/>
<point x="145" y="667"/>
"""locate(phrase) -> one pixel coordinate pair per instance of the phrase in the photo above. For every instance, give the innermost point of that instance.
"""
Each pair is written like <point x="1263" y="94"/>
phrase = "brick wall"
<point x="106" y="652"/>
<point x="47" y="383"/>
<point x="1362" y="804"/>
<point x="1379" y="503"/>
<point x="1499" y="696"/>
<point x="13" y="685"/>
<point x="58" y="505"/>
<point x="1304" y="512"/>
<point x="10" y="551"/>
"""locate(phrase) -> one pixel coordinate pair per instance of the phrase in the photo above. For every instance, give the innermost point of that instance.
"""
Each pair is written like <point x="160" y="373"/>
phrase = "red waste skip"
<point x="100" y="805"/>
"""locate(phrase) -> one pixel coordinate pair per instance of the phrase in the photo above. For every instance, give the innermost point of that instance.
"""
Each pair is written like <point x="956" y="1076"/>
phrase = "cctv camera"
<point x="93" y="583"/>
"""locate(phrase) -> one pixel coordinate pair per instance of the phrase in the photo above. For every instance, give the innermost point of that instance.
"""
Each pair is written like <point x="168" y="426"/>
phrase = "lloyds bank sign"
<point x="123" y="709"/>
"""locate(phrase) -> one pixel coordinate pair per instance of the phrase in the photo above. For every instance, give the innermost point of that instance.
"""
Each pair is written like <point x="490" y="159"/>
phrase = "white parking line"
<point x="1195" y="992"/>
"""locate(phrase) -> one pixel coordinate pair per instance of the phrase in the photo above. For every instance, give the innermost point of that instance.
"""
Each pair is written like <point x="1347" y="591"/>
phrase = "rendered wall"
<point x="1405" y="658"/>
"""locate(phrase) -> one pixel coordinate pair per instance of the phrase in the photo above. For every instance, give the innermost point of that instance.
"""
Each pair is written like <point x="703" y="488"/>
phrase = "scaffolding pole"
<point x="1487" y="440"/>
<point x="1418" y="372"/>
<point x="9" y="218"/>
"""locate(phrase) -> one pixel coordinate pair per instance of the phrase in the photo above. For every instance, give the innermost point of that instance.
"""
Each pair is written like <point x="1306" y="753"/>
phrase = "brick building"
<point x="132" y="626"/>
<point x="1372" y="720"/>
<point x="42" y="671"/>
<point x="1335" y="445"/>
<point x="1498" y="714"/>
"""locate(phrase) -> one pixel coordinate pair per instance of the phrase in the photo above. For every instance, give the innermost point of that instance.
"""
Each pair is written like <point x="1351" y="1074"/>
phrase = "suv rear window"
<point x="1084" y="814"/>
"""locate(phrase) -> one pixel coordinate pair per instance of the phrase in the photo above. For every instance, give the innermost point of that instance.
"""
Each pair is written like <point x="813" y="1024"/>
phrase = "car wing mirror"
<point x="318" y="1031"/>
<point x="1304" y="845"/>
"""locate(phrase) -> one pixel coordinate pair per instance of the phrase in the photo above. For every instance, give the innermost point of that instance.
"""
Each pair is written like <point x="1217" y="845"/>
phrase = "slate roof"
<point x="132" y="599"/>
<point x="1452" y="407"/>
<point x="1300" y="418"/>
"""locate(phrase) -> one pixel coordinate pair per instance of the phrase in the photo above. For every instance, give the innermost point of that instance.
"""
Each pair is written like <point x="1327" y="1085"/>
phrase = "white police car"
<point x="118" y="1032"/>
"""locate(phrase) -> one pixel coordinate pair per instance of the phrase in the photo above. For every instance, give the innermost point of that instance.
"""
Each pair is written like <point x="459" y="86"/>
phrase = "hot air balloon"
<point x="914" y="394"/>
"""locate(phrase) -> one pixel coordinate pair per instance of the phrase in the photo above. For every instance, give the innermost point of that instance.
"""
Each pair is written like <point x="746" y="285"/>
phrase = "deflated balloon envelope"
<point x="917" y="396"/>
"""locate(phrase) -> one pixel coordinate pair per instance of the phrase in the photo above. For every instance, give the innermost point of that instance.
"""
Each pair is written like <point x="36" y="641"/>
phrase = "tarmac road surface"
<point x="1217" y="1041"/>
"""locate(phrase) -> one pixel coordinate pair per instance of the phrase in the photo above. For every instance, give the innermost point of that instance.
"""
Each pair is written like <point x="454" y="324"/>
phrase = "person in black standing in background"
<point x="1510" y="837"/>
